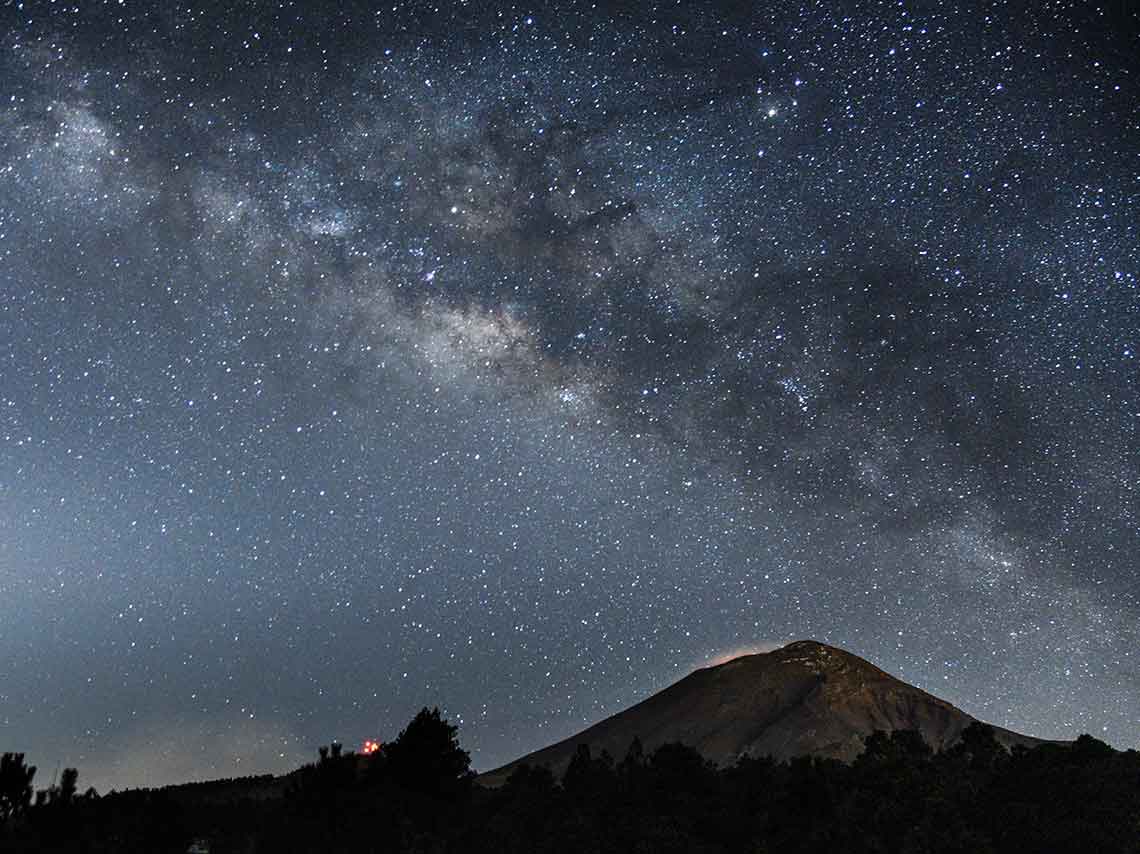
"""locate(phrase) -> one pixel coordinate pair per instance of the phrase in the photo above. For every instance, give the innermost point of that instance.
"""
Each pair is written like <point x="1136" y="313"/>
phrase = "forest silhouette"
<point x="418" y="794"/>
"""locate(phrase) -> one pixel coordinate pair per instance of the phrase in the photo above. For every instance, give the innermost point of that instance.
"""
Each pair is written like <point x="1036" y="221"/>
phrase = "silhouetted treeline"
<point x="417" y="795"/>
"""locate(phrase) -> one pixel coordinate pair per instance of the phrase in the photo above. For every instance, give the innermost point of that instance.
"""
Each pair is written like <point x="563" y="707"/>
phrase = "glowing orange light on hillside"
<point x="370" y="747"/>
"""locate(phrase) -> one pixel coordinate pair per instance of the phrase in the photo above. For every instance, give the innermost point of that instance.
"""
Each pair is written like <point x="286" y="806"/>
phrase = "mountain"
<point x="806" y="698"/>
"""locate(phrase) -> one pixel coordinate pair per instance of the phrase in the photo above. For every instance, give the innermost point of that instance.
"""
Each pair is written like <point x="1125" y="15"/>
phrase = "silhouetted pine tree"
<point x="15" y="785"/>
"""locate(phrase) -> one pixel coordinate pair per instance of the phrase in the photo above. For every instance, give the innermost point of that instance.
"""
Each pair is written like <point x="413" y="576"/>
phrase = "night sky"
<point x="519" y="360"/>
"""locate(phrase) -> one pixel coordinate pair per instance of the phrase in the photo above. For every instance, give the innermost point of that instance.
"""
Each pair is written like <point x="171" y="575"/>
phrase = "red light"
<point x="370" y="747"/>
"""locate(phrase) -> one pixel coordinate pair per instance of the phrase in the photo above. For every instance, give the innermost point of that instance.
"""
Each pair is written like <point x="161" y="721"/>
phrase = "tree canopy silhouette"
<point x="426" y="756"/>
<point x="414" y="795"/>
<point x="15" y="785"/>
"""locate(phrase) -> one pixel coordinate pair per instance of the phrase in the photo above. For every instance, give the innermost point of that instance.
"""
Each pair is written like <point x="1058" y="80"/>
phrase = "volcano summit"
<point x="805" y="698"/>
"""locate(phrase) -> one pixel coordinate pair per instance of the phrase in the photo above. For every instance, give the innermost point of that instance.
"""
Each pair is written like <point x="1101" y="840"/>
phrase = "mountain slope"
<point x="805" y="698"/>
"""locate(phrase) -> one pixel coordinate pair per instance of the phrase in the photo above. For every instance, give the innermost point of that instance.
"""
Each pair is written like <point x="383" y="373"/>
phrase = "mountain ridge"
<point x="805" y="698"/>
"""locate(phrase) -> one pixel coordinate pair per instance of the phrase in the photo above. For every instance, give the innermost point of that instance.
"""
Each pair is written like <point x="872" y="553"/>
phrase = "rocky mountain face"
<point x="806" y="698"/>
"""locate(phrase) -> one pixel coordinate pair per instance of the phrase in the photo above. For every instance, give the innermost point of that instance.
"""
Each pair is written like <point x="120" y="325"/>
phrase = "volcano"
<point x="806" y="698"/>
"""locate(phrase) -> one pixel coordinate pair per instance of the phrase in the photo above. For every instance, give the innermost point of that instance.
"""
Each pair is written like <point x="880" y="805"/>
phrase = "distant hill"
<point x="806" y="698"/>
<point x="263" y="787"/>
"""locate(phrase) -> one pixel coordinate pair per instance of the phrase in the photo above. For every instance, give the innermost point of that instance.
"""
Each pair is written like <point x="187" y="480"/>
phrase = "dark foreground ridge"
<point x="804" y="699"/>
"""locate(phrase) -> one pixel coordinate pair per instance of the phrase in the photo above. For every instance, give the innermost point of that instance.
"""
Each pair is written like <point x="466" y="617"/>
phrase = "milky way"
<point x="519" y="360"/>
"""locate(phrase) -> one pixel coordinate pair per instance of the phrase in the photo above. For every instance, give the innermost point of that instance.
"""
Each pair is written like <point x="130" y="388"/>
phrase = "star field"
<point x="519" y="360"/>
